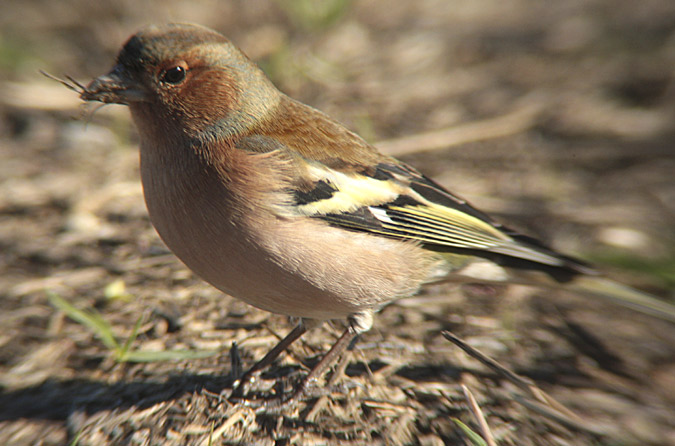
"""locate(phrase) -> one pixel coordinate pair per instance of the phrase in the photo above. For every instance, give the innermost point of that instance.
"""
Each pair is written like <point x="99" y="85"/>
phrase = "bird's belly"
<point x="224" y="254"/>
<point x="304" y="274"/>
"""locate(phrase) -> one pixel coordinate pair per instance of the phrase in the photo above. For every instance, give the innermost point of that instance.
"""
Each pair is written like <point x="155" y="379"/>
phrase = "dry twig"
<point x="522" y="118"/>
<point x="554" y="411"/>
<point x="478" y="415"/>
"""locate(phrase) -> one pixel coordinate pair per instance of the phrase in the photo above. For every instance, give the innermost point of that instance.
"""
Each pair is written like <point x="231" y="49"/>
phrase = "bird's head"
<point x="186" y="77"/>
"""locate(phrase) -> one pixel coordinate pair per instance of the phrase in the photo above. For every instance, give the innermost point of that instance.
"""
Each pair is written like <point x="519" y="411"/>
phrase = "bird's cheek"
<point x="207" y="100"/>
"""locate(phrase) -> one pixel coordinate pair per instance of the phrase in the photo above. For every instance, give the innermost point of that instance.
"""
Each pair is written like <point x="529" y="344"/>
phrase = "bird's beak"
<point x="116" y="87"/>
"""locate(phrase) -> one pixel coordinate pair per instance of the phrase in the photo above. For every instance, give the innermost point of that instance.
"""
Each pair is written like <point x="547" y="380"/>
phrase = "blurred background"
<point x="556" y="117"/>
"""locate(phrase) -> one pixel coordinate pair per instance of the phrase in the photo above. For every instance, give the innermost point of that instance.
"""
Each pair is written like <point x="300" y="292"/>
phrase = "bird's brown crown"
<point x="154" y="44"/>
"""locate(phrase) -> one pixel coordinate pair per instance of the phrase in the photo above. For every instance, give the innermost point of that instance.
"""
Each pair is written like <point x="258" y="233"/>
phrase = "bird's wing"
<point x="394" y="200"/>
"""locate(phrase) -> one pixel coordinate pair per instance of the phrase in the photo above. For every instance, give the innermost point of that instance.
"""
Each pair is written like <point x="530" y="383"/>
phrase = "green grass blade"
<point x="167" y="355"/>
<point x="122" y="354"/>
<point x="89" y="319"/>
<point x="474" y="438"/>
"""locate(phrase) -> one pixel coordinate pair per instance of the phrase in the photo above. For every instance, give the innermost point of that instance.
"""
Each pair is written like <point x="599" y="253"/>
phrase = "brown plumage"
<point x="277" y="204"/>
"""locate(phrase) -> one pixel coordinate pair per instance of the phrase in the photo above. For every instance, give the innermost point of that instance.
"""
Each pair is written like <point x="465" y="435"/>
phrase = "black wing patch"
<point x="322" y="190"/>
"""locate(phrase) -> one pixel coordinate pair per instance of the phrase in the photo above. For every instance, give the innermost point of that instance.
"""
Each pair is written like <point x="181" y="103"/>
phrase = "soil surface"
<point x="556" y="117"/>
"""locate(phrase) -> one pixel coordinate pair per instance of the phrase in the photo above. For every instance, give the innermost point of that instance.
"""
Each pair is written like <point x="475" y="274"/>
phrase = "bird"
<point x="279" y="205"/>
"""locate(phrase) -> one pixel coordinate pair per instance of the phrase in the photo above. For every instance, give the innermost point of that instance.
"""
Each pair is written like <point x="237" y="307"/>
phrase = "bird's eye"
<point x="174" y="75"/>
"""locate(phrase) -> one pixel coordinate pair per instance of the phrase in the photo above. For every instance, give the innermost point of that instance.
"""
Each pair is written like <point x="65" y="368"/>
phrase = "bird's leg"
<point x="358" y="323"/>
<point x="249" y="375"/>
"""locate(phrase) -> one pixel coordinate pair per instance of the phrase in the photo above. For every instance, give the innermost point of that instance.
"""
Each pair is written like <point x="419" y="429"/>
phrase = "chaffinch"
<point x="277" y="204"/>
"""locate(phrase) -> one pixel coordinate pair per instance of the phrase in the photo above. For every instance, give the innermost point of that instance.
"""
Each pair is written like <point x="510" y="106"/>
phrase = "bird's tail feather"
<point x="468" y="269"/>
<point x="622" y="295"/>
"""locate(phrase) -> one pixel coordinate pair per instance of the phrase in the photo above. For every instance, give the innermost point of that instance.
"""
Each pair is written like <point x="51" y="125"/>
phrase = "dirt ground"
<point x="556" y="117"/>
